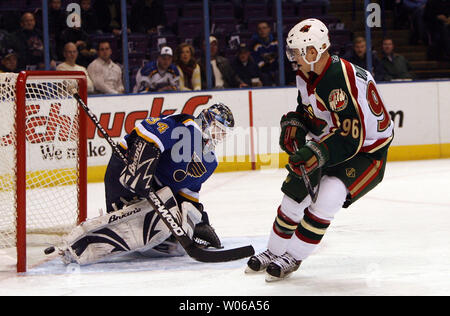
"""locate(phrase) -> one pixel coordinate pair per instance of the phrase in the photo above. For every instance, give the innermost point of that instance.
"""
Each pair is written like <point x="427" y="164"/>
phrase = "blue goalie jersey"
<point x="183" y="166"/>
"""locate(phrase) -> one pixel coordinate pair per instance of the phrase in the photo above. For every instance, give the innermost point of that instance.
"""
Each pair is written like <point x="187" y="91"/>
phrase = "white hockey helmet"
<point x="309" y="32"/>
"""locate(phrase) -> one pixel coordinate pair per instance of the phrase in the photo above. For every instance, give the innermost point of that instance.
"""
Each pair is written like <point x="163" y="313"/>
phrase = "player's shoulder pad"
<point x="335" y="65"/>
<point x="180" y="118"/>
<point x="157" y="130"/>
<point x="335" y="76"/>
<point x="168" y="119"/>
<point x="186" y="120"/>
<point x="335" y="59"/>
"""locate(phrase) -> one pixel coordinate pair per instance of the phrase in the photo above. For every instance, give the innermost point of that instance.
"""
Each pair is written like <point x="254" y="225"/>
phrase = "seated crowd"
<point x="179" y="67"/>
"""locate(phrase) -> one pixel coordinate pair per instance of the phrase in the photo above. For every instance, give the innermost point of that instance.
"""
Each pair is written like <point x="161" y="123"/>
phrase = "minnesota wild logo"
<point x="338" y="100"/>
<point x="305" y="28"/>
<point x="195" y="169"/>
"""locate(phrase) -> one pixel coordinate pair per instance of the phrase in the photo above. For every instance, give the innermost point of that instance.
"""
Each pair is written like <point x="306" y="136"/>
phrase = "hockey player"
<point x="172" y="155"/>
<point x="339" y="134"/>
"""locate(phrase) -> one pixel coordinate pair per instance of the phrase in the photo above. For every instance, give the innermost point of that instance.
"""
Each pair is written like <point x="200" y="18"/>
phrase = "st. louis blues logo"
<point x="195" y="169"/>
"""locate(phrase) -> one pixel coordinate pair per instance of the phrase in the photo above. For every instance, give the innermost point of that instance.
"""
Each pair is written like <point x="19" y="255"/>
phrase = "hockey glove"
<point x="312" y="156"/>
<point x="293" y="132"/>
<point x="142" y="160"/>
<point x="205" y="236"/>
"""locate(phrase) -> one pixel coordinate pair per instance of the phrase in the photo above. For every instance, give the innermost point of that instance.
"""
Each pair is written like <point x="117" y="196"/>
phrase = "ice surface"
<point x="394" y="241"/>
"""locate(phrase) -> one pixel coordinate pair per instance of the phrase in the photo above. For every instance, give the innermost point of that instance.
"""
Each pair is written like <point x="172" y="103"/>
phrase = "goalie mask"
<point x="309" y="32"/>
<point x="217" y="121"/>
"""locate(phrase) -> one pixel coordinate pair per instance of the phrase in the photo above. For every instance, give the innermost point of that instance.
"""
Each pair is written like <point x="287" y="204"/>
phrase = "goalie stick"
<point x="187" y="243"/>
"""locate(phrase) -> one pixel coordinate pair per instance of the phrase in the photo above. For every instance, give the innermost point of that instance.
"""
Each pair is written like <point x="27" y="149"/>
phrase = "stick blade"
<point x="203" y="255"/>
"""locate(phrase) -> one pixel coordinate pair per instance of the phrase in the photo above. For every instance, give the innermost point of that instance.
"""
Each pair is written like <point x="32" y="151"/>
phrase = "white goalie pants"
<point x="299" y="227"/>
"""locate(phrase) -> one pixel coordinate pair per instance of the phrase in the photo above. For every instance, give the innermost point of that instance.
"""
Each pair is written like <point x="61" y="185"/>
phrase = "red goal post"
<point x="49" y="151"/>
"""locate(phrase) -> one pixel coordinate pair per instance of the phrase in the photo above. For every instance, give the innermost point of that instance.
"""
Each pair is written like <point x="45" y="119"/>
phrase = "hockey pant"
<point x="301" y="224"/>
<point x="135" y="228"/>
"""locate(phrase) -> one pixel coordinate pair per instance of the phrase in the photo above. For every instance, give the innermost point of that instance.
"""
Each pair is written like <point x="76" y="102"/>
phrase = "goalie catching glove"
<point x="204" y="234"/>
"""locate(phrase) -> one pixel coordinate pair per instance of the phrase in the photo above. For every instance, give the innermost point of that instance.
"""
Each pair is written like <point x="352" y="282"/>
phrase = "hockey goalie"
<point x="172" y="156"/>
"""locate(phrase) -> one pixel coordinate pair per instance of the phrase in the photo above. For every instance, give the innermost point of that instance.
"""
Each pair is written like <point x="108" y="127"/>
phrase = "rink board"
<point x="420" y="111"/>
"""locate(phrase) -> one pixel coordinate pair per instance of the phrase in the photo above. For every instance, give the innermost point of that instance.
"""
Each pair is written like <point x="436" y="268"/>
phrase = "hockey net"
<point x="42" y="158"/>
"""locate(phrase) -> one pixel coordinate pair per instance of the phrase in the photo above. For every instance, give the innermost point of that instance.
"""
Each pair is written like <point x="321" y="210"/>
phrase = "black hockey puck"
<point x="49" y="250"/>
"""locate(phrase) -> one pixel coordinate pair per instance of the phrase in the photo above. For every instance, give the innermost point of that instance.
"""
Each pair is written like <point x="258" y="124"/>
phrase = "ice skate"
<point x="281" y="268"/>
<point x="260" y="262"/>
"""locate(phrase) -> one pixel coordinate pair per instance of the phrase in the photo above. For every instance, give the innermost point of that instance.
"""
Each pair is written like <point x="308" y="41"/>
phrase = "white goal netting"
<point x="51" y="133"/>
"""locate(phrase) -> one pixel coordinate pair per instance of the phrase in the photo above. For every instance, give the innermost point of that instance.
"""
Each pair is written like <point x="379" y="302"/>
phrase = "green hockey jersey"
<point x="344" y="110"/>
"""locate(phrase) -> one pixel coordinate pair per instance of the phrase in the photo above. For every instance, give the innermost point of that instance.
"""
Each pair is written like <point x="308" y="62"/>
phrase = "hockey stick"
<point x="308" y="183"/>
<point x="158" y="205"/>
<point x="307" y="180"/>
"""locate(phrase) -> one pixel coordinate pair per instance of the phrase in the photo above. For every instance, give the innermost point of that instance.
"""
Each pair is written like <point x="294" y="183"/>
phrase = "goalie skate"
<point x="260" y="262"/>
<point x="281" y="268"/>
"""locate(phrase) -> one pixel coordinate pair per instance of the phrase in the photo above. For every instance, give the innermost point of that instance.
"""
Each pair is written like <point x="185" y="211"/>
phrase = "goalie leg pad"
<point x="136" y="227"/>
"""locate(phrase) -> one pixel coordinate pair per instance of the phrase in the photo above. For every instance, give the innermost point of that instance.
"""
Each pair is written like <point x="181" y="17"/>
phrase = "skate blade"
<point x="249" y="270"/>
<point x="271" y="278"/>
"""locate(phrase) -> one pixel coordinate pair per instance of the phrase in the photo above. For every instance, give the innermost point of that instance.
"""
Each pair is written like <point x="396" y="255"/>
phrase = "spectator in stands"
<point x="415" y="10"/>
<point x="245" y="67"/>
<point x="8" y="61"/>
<point x="265" y="53"/>
<point x="5" y="39"/>
<point x="108" y="13"/>
<point x="395" y="66"/>
<point x="81" y="39"/>
<point x="89" y="22"/>
<point x="10" y="21"/>
<point x="29" y="44"/>
<point x="437" y="16"/>
<point x="147" y="16"/>
<point x="189" y="70"/>
<point x="56" y="19"/>
<point x="158" y="76"/>
<point x="325" y="4"/>
<point x="400" y="14"/>
<point x="357" y="56"/>
<point x="106" y="75"/>
<point x="69" y="64"/>
<point x="223" y="75"/>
